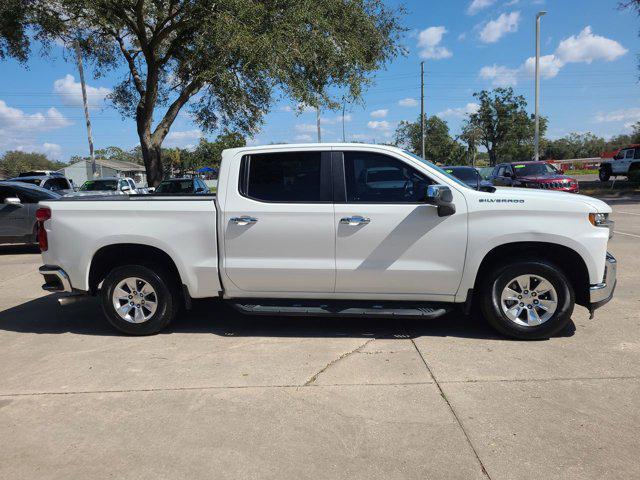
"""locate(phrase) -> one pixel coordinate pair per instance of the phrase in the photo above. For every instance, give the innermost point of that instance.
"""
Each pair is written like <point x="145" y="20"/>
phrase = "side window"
<point x="377" y="178"/>
<point x="500" y="171"/>
<point x="294" y="177"/>
<point x="629" y="153"/>
<point x="131" y="184"/>
<point x="620" y="155"/>
<point x="637" y="155"/>
<point x="508" y="170"/>
<point x="122" y="184"/>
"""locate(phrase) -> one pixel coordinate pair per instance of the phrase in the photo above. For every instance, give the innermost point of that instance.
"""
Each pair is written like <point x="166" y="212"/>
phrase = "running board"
<point x="325" y="308"/>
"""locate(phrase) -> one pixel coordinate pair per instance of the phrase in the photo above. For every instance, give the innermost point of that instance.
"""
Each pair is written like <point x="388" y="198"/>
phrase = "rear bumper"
<point x="601" y="293"/>
<point x="55" y="278"/>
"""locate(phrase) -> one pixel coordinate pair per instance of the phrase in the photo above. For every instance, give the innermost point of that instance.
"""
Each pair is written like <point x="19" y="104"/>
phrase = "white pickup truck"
<point x="334" y="229"/>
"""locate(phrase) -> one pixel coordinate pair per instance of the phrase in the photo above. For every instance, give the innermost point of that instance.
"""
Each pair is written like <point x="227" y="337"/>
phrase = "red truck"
<point x="533" y="175"/>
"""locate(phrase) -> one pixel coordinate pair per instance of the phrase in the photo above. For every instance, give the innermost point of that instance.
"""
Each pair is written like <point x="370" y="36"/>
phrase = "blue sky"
<point x="589" y="83"/>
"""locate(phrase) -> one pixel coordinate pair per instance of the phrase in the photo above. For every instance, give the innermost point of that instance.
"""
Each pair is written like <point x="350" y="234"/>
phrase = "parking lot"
<point x="220" y="395"/>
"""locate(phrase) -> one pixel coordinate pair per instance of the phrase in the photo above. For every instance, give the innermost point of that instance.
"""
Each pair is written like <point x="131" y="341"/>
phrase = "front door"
<point x="388" y="240"/>
<point x="278" y="226"/>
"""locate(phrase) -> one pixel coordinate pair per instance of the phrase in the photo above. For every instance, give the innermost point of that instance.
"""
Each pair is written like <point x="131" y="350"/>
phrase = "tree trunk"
<point x="492" y="157"/>
<point x="152" y="156"/>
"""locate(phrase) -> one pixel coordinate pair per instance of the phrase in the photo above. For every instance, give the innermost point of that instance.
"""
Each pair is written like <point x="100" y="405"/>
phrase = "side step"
<point x="329" y="308"/>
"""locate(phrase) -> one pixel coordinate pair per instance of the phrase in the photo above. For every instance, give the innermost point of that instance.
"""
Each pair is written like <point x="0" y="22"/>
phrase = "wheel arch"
<point x="115" y="255"/>
<point x="571" y="262"/>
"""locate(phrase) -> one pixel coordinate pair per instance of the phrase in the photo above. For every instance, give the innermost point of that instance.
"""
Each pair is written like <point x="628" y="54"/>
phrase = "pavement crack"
<point x="334" y="361"/>
<point x="453" y="412"/>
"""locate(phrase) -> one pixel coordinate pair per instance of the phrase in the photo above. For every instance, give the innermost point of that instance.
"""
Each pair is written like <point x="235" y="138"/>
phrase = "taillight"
<point x="43" y="214"/>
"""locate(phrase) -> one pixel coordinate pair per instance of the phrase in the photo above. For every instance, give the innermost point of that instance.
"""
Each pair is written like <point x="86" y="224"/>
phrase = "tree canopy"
<point x="226" y="60"/>
<point x="439" y="146"/>
<point x="14" y="162"/>
<point x="502" y="125"/>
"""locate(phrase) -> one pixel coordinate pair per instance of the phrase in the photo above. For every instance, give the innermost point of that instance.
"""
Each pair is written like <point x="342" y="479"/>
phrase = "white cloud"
<point x="550" y="66"/>
<point x="379" y="125"/>
<point x="476" y="5"/>
<point x="462" y="37"/>
<point x="379" y="113"/>
<point x="429" y="43"/>
<point x="304" y="138"/>
<point x="347" y="118"/>
<point x="285" y="108"/>
<point x="306" y="127"/>
<point x="70" y="92"/>
<point x="496" y="29"/>
<point x="582" y="48"/>
<point x="630" y="115"/>
<point x="408" y="102"/>
<point x="587" y="47"/>
<point x="20" y="130"/>
<point x="499" y="75"/>
<point x="360" y="136"/>
<point x="461" y="112"/>
<point x="52" y="150"/>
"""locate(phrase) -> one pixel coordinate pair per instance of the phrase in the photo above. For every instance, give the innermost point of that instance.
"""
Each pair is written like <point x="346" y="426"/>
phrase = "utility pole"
<point x="536" y="140"/>
<point x="86" y="106"/>
<point x="318" y="124"/>
<point x="422" y="108"/>
<point x="343" y="135"/>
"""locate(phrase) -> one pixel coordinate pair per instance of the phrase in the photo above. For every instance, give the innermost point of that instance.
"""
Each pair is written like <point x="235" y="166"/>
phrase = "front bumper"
<point x="55" y="278"/>
<point x="601" y="293"/>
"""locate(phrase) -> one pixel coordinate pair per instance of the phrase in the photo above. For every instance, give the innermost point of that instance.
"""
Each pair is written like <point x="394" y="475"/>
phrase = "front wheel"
<point x="139" y="300"/>
<point x="527" y="300"/>
<point x="604" y="174"/>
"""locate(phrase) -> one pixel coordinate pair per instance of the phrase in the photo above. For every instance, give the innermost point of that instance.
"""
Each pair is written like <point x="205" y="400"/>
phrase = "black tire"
<point x="496" y="281"/>
<point x="604" y="174"/>
<point x="634" y="173"/>
<point x="166" y="295"/>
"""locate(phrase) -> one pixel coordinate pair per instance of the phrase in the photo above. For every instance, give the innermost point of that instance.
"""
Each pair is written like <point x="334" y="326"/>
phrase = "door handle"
<point x="355" y="220"/>
<point x="244" y="220"/>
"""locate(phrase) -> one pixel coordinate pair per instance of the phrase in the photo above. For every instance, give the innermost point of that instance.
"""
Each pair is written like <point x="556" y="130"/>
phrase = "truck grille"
<point x="552" y="185"/>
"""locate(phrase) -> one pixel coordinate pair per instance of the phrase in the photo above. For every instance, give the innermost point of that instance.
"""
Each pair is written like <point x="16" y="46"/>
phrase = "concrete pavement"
<point x="225" y="396"/>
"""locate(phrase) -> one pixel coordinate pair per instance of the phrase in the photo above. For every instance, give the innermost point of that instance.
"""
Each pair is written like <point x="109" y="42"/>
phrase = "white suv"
<point x="625" y="163"/>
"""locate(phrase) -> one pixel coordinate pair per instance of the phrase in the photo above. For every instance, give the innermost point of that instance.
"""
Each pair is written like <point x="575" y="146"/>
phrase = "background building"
<point x="80" y="171"/>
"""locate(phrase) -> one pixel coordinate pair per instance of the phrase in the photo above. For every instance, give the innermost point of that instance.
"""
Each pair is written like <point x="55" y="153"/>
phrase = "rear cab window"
<point x="286" y="177"/>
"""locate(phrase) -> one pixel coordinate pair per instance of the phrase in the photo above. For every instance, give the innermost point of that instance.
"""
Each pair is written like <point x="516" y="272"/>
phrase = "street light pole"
<point x="422" y="109"/>
<point x="536" y="140"/>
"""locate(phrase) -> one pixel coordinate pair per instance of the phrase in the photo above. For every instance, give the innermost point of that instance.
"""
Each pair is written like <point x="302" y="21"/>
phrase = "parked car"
<point x="470" y="176"/>
<point x="625" y="163"/>
<point x="182" y="186"/>
<point x="18" y="205"/>
<point x="533" y="175"/>
<point x="299" y="230"/>
<point x="106" y="186"/>
<point x="54" y="182"/>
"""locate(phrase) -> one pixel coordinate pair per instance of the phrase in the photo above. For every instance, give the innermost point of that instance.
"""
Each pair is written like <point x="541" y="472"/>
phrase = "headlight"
<point x="599" y="219"/>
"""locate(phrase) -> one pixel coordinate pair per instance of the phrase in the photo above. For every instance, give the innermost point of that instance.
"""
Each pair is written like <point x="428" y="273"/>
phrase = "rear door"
<point x="279" y="234"/>
<point x="388" y="240"/>
<point x="12" y="217"/>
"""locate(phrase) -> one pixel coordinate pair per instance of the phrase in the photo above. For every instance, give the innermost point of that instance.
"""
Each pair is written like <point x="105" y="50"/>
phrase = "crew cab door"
<point x="388" y="240"/>
<point x="279" y="234"/>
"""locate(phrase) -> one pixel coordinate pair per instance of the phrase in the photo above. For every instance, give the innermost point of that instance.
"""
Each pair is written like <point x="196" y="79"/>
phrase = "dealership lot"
<point x="227" y="396"/>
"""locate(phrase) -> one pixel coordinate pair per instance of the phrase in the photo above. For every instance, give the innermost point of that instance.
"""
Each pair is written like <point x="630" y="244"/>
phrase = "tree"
<point x="225" y="59"/>
<point x="14" y="162"/>
<point x="439" y="146"/>
<point x="504" y="127"/>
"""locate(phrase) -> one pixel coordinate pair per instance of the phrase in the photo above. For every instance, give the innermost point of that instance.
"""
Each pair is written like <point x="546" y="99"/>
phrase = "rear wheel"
<point x="604" y="174"/>
<point x="139" y="299"/>
<point x="634" y="173"/>
<point x="527" y="300"/>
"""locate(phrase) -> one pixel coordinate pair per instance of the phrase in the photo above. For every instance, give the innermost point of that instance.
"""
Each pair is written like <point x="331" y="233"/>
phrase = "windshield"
<point x="466" y="174"/>
<point x="181" y="186"/>
<point x="99" y="185"/>
<point x="435" y="167"/>
<point x="526" y="169"/>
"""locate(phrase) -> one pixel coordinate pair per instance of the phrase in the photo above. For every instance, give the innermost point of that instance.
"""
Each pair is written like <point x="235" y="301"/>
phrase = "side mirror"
<point x="199" y="189"/>
<point x="441" y="197"/>
<point x="12" y="201"/>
